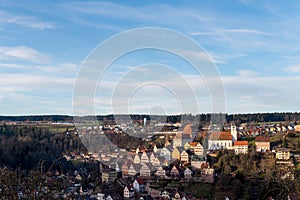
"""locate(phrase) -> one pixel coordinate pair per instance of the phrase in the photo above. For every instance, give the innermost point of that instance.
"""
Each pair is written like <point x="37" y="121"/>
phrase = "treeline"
<point x="265" y="117"/>
<point x="238" y="118"/>
<point x="242" y="118"/>
<point x="54" y="118"/>
<point x="26" y="146"/>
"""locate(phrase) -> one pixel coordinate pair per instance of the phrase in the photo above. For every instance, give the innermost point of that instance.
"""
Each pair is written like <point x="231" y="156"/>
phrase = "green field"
<point x="58" y="128"/>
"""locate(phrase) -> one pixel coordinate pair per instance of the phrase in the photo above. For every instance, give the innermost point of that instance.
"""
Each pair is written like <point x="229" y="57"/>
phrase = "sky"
<point x="255" y="46"/>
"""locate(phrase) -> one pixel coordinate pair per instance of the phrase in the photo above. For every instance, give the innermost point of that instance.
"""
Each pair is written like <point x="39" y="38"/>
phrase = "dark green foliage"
<point x="264" y="117"/>
<point x="53" y="118"/>
<point x="238" y="118"/>
<point x="25" y="146"/>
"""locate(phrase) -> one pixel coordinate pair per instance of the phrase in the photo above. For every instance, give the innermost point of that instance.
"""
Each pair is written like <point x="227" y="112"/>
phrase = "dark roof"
<point x="140" y="181"/>
<point x="186" y="136"/>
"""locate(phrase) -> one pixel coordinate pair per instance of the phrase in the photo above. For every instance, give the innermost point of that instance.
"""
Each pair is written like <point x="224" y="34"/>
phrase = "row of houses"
<point x="129" y="193"/>
<point x="228" y="140"/>
<point x="254" y="130"/>
<point x="138" y="186"/>
<point x="241" y="147"/>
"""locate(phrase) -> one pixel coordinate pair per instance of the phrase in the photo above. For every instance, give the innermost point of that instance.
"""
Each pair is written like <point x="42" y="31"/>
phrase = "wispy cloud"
<point x="20" y="82"/>
<point x="11" y="66"/>
<point x="246" y="1"/>
<point x="219" y="58"/>
<point x="25" y="21"/>
<point x="250" y="42"/>
<point x="246" y="31"/>
<point x="224" y="31"/>
<point x="65" y="69"/>
<point x="143" y="14"/>
<point x="247" y="91"/>
<point x="292" y="69"/>
<point x="30" y="22"/>
<point x="106" y="9"/>
<point x="247" y="73"/>
<point x="23" y="53"/>
<point x="252" y="93"/>
<point x="202" y="33"/>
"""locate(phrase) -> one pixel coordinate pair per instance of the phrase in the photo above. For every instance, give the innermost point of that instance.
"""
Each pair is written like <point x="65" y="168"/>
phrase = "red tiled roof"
<point x="262" y="139"/>
<point x="193" y="143"/>
<point x="240" y="143"/>
<point x="142" y="148"/>
<point x="220" y="136"/>
<point x="187" y="129"/>
<point x="140" y="181"/>
<point x="203" y="133"/>
<point x="204" y="165"/>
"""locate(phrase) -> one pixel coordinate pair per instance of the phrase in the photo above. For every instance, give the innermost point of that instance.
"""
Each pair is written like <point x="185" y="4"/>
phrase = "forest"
<point x="238" y="118"/>
<point x="25" y="146"/>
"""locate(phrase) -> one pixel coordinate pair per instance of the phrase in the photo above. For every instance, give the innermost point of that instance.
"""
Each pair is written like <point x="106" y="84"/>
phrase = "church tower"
<point x="233" y="132"/>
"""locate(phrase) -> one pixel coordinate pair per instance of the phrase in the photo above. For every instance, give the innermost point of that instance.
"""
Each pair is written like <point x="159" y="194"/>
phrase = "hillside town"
<point x="170" y="161"/>
<point x="187" y="155"/>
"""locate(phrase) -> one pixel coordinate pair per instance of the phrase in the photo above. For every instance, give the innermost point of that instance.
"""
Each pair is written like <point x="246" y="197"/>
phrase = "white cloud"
<point x="248" y="91"/>
<point x="30" y="22"/>
<point x="245" y="92"/>
<point x="11" y="66"/>
<point x="23" y="53"/>
<point x="27" y="82"/>
<point x="247" y="73"/>
<point x="219" y="31"/>
<point x="226" y="31"/>
<point x="245" y="31"/>
<point x="67" y="69"/>
<point x="240" y="33"/>
<point x="35" y="93"/>
<point x="219" y="58"/>
<point x="106" y="9"/>
<point x="25" y="21"/>
<point x="197" y="55"/>
<point x="157" y="13"/>
<point x="292" y="69"/>
<point x="261" y="94"/>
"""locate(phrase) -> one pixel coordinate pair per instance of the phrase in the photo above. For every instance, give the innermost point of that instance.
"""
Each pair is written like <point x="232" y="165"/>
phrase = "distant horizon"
<point x="284" y="112"/>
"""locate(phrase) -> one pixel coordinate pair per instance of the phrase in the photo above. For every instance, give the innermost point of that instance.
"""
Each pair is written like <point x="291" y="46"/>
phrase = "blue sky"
<point x="254" y="44"/>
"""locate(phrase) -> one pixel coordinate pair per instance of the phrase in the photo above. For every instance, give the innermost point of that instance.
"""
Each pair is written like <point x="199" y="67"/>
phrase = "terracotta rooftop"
<point x="262" y="139"/>
<point x="142" y="148"/>
<point x="193" y="143"/>
<point x="140" y="181"/>
<point x="240" y="143"/>
<point x="203" y="133"/>
<point x="187" y="129"/>
<point x="220" y="136"/>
